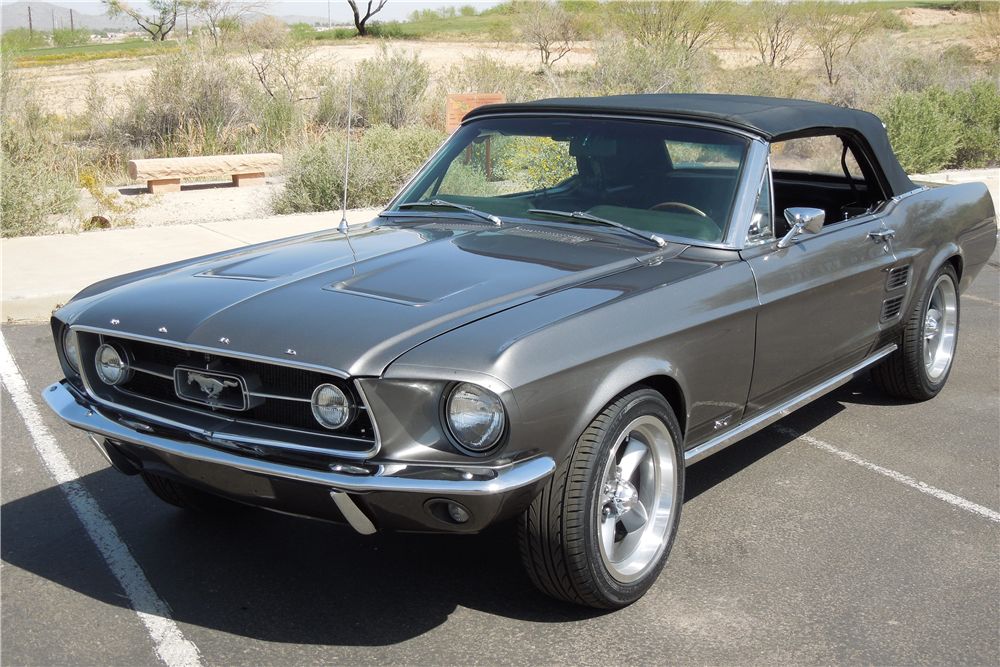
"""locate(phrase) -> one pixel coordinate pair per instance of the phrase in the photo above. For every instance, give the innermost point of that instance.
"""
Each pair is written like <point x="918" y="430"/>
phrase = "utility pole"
<point x="187" y="30"/>
<point x="71" y="27"/>
<point x="329" y="16"/>
<point x="31" y="28"/>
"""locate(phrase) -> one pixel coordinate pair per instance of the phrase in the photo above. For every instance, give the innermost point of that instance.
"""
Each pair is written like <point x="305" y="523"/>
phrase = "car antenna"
<point x="347" y="162"/>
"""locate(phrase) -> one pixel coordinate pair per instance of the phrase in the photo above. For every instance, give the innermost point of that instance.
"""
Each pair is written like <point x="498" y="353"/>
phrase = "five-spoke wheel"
<point x="601" y="530"/>
<point x="919" y="369"/>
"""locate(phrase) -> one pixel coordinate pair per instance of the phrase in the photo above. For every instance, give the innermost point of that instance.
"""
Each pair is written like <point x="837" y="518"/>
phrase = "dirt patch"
<point x="919" y="17"/>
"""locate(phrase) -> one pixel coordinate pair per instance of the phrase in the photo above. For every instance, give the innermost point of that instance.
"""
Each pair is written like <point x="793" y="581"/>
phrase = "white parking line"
<point x="951" y="498"/>
<point x="170" y="645"/>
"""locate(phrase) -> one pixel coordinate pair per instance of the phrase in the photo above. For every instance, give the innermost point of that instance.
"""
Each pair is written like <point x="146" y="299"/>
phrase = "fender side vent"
<point x="897" y="278"/>
<point x="890" y="308"/>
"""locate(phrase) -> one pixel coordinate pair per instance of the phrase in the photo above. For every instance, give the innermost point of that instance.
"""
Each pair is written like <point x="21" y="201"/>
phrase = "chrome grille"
<point x="280" y="395"/>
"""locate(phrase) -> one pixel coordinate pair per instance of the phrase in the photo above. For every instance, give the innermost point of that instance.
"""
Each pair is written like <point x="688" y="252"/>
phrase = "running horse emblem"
<point x="210" y="385"/>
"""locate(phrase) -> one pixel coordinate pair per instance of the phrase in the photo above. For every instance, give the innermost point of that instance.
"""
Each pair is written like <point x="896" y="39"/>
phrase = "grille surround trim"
<point x="231" y="419"/>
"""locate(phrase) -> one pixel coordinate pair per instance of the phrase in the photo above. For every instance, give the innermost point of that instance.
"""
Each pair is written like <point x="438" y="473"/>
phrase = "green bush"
<point x="382" y="159"/>
<point x="20" y="39"/>
<point x="977" y="113"/>
<point x="67" y="37"/>
<point x="924" y="137"/>
<point x="484" y="73"/>
<point x="390" y="89"/>
<point x="624" y="67"/>
<point x="32" y="183"/>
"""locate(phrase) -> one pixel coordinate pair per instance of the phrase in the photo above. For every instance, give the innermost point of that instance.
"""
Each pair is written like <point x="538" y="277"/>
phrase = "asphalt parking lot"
<point x="859" y="530"/>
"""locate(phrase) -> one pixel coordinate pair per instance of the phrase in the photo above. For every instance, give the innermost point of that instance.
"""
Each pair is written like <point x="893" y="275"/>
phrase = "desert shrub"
<point x="484" y="73"/>
<point x="186" y="106"/>
<point x="924" y="137"/>
<point x="390" y="88"/>
<point x="764" y="81"/>
<point x="625" y="67"/>
<point x="382" y="159"/>
<point x="32" y="184"/>
<point x="977" y="114"/>
<point x="389" y="29"/>
<point x="20" y="39"/>
<point x="68" y="37"/>
<point x="532" y="162"/>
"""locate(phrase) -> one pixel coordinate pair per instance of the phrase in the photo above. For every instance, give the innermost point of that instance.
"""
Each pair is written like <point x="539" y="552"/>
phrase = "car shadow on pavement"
<point x="278" y="578"/>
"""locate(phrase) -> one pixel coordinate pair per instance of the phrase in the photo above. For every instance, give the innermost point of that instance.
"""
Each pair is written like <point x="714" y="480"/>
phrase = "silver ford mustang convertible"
<point x="572" y="300"/>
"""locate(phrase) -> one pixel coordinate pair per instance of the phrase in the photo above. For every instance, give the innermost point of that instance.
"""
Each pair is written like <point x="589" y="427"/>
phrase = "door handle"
<point x="882" y="235"/>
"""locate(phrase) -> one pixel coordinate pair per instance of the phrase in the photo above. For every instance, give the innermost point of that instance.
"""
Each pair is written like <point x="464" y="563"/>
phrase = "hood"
<point x="313" y="300"/>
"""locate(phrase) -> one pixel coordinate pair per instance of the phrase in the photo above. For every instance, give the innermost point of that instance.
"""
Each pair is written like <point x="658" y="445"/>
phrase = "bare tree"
<point x="690" y="23"/>
<point x="222" y="17"/>
<point x="835" y="28"/>
<point x="359" y="21"/>
<point x="773" y="28"/>
<point x="158" y="24"/>
<point x="546" y="25"/>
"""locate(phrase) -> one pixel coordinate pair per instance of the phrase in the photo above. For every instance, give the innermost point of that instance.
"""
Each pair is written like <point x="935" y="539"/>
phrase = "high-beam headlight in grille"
<point x="112" y="365"/>
<point x="331" y="406"/>
<point x="475" y="417"/>
<point x="70" y="351"/>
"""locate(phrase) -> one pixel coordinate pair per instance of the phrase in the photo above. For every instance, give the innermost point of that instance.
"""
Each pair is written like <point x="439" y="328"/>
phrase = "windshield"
<point x="670" y="180"/>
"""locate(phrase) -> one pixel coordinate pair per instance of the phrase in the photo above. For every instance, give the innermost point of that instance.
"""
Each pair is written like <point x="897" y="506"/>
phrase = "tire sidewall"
<point x="645" y="402"/>
<point x="928" y="386"/>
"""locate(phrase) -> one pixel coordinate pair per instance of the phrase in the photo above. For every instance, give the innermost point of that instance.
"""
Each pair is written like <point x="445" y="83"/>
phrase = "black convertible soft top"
<point x="774" y="119"/>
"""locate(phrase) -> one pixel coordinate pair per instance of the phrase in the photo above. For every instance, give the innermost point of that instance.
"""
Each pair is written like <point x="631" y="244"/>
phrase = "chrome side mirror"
<point x="808" y="220"/>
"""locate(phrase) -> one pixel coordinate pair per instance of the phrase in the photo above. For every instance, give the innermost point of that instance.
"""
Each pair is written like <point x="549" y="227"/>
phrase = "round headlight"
<point x="112" y="367"/>
<point x="69" y="349"/>
<point x="475" y="417"/>
<point x="331" y="407"/>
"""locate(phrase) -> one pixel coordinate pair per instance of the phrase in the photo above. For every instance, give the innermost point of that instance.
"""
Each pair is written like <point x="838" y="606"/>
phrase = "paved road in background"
<point x="806" y="543"/>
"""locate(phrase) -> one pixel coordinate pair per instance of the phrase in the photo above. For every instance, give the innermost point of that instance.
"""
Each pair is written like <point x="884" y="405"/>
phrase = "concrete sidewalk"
<point x="42" y="272"/>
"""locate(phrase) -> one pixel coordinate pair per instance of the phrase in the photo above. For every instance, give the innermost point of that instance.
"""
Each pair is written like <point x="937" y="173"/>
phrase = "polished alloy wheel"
<point x="638" y="498"/>
<point x="939" y="328"/>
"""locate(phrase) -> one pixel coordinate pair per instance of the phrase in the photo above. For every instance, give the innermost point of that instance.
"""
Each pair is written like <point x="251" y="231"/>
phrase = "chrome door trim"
<point x="765" y="419"/>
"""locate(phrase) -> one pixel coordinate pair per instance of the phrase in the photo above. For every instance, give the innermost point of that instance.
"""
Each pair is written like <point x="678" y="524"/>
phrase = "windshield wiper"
<point x="580" y="215"/>
<point x="447" y="204"/>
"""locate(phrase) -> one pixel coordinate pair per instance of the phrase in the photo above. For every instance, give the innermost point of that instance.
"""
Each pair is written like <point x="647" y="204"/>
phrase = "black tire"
<point x="187" y="497"/>
<point x="578" y="544"/>
<point x="919" y="369"/>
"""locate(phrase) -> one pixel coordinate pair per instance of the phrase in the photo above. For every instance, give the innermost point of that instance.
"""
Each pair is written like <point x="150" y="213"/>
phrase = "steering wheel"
<point x="668" y="204"/>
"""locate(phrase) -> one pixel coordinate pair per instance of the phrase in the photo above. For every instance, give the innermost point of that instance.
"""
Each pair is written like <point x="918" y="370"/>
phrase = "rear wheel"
<point x="920" y="367"/>
<point x="187" y="497"/>
<point x="601" y="530"/>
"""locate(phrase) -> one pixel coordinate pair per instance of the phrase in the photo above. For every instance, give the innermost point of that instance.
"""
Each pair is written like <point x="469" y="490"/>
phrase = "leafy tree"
<point x="222" y="17"/>
<point x="158" y="24"/>
<point x="359" y="21"/>
<point x="773" y="28"/>
<point x="691" y="24"/>
<point x="835" y="28"/>
<point x="546" y="25"/>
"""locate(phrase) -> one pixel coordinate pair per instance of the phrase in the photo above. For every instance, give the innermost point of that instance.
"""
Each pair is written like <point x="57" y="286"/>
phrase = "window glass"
<point x="761" y="223"/>
<point x="818" y="155"/>
<point x="670" y="180"/>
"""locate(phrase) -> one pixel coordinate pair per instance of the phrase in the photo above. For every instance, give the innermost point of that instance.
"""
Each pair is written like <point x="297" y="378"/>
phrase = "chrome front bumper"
<point x="472" y="481"/>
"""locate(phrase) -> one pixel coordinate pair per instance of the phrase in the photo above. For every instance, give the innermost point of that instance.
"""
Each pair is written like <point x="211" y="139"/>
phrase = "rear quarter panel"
<point x="935" y="225"/>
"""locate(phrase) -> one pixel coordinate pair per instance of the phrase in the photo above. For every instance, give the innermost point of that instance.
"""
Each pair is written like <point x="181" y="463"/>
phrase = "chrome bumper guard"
<point x="500" y="479"/>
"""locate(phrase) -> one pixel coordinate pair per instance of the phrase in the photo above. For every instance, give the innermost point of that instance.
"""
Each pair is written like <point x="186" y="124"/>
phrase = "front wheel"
<point x="601" y="530"/>
<point x="919" y="369"/>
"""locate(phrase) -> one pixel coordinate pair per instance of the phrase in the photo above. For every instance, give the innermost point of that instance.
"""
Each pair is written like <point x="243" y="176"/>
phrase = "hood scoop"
<point x="409" y="282"/>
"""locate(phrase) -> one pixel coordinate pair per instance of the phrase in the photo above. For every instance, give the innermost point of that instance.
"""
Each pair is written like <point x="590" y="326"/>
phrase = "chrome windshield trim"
<point x="754" y="168"/>
<point x="212" y="350"/>
<point x="502" y="479"/>
<point x="765" y="419"/>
